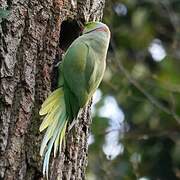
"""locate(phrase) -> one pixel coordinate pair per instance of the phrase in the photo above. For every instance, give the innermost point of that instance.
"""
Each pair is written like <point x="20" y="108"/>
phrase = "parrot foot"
<point x="74" y="120"/>
<point x="57" y="64"/>
<point x="71" y="125"/>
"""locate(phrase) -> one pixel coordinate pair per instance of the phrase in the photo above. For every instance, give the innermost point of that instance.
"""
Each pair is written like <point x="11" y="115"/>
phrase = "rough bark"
<point x="29" y="43"/>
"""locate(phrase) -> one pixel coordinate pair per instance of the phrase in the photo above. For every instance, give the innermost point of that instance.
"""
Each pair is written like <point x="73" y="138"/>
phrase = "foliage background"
<point x="136" y="112"/>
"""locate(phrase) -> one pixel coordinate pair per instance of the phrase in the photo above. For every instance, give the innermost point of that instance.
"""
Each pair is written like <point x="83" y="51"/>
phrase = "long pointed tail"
<point x="55" y="121"/>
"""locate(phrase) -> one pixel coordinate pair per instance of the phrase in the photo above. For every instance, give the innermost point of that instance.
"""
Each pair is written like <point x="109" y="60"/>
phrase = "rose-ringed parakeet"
<point x="82" y="70"/>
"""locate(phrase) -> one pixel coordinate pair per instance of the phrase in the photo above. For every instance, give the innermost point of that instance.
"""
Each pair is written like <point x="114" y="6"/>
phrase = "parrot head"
<point x="95" y="27"/>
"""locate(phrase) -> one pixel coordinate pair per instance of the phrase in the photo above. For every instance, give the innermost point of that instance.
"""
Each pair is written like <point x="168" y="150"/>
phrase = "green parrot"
<point x="82" y="70"/>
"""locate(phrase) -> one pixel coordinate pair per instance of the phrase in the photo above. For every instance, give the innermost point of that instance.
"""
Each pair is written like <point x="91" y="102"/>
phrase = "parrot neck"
<point x="100" y="36"/>
<point x="103" y="29"/>
<point x="99" y="29"/>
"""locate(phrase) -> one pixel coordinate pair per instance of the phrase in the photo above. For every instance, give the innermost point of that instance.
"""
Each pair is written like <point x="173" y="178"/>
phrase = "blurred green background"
<point x="136" y="113"/>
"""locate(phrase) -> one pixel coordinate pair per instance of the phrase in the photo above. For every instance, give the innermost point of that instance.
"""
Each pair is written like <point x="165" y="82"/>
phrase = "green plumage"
<point x="81" y="72"/>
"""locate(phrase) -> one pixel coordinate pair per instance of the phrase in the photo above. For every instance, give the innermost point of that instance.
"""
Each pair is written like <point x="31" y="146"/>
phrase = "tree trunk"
<point x="30" y="43"/>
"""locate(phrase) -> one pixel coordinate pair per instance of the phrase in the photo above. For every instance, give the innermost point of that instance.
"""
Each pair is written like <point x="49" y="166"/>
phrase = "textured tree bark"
<point x="29" y="43"/>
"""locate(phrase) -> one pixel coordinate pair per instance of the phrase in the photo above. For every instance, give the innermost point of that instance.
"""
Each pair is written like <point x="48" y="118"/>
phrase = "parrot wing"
<point x="83" y="68"/>
<point x="94" y="71"/>
<point x="77" y="71"/>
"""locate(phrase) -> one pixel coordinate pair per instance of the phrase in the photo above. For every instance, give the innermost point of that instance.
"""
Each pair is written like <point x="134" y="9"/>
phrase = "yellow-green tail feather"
<point x="55" y="121"/>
